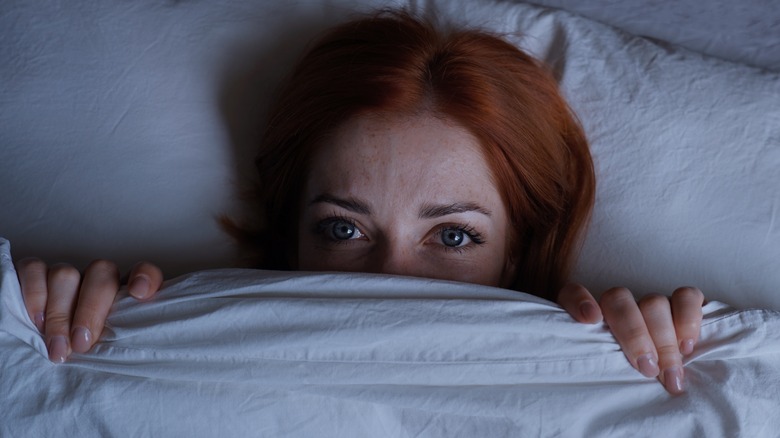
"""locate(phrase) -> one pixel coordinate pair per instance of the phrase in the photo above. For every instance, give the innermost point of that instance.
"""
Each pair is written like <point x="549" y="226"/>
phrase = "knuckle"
<point x="578" y="290"/>
<point x="103" y="266"/>
<point x="616" y="294"/>
<point x="688" y="293"/>
<point x="64" y="273"/>
<point x="57" y="323"/>
<point x="668" y="355"/>
<point x="91" y="313"/>
<point x="94" y="325"/>
<point x="150" y="270"/>
<point x="616" y="299"/>
<point x="572" y="293"/>
<point x="574" y="287"/>
<point x="653" y="301"/>
<point x="31" y="263"/>
<point x="635" y="335"/>
<point x="143" y="265"/>
<point x="689" y="327"/>
<point x="87" y="308"/>
<point x="635" y="340"/>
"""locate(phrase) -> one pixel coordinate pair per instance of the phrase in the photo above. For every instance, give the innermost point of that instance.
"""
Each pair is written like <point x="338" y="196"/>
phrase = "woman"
<point x="399" y="148"/>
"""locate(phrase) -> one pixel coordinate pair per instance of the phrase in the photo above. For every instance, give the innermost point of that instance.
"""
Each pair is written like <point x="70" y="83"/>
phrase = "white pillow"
<point x="687" y="150"/>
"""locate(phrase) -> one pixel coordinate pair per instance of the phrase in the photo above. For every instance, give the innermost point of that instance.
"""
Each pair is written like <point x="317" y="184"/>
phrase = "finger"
<point x="657" y="313"/>
<point x="144" y="281"/>
<point x="687" y="314"/>
<point x="63" y="285"/>
<point x="580" y="304"/>
<point x="32" y="278"/>
<point x="622" y="314"/>
<point x="96" y="295"/>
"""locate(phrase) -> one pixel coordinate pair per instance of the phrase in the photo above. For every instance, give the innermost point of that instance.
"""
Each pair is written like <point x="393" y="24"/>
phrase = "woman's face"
<point x="404" y="195"/>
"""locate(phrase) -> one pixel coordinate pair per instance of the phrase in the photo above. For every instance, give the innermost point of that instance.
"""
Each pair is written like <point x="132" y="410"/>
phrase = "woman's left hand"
<point x="654" y="333"/>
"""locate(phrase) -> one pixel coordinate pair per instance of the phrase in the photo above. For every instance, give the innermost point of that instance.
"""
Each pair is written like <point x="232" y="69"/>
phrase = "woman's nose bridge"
<point x="395" y="258"/>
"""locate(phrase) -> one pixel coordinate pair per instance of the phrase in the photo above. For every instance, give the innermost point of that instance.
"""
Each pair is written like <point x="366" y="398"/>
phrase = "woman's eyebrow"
<point x="431" y="211"/>
<point x="351" y="204"/>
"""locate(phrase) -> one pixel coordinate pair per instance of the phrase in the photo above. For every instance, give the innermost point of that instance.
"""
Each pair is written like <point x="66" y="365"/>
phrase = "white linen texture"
<point x="260" y="353"/>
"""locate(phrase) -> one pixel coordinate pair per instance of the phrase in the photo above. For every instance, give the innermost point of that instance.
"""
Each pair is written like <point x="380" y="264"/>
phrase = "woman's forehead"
<point x="402" y="162"/>
<point x="400" y="145"/>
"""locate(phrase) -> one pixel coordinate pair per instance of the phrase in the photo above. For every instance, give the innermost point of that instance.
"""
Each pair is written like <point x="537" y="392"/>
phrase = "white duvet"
<point x="260" y="353"/>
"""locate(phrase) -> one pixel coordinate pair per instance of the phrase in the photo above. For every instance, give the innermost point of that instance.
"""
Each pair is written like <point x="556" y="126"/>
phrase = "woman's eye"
<point x="343" y="230"/>
<point x="453" y="237"/>
<point x="458" y="237"/>
<point x="340" y="230"/>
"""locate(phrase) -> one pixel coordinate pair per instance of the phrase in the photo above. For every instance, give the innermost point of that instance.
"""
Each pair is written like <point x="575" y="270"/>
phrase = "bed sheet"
<point x="125" y="126"/>
<point x="260" y="353"/>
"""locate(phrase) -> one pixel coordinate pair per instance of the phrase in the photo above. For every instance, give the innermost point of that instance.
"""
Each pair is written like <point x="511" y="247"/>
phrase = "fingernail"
<point x="647" y="365"/>
<point x="139" y="287"/>
<point x="58" y="349"/>
<point x="589" y="311"/>
<point x="81" y="339"/>
<point x="686" y="346"/>
<point x="39" y="320"/>
<point x="673" y="380"/>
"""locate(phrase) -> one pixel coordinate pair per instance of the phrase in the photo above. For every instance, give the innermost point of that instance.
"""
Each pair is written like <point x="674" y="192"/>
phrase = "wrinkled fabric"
<point x="262" y="353"/>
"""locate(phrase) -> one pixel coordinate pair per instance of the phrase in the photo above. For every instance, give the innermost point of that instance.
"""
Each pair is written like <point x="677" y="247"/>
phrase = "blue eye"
<point x="453" y="237"/>
<point x="338" y="229"/>
<point x="458" y="237"/>
<point x="342" y="230"/>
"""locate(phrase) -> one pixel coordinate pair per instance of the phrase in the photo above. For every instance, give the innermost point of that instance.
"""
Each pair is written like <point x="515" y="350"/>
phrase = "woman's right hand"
<point x="654" y="333"/>
<point x="71" y="310"/>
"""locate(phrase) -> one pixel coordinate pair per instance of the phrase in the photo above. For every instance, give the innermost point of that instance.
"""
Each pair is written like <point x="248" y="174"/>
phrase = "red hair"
<point x="395" y="63"/>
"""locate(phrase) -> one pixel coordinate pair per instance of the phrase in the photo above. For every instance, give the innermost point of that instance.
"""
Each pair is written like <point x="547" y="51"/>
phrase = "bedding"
<point x="126" y="128"/>
<point x="259" y="353"/>
<point x="745" y="32"/>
